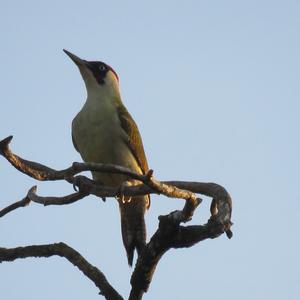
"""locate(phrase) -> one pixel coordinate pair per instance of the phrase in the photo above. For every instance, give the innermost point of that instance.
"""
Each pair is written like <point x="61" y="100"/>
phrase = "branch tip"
<point x="149" y="174"/>
<point x="33" y="189"/>
<point x="229" y="234"/>
<point x="7" y="140"/>
<point x="4" y="144"/>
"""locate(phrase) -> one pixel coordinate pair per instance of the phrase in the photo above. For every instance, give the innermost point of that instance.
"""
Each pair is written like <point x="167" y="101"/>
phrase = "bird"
<point x="104" y="132"/>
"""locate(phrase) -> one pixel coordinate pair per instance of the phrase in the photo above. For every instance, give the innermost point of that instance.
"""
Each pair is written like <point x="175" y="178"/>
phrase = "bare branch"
<point x="87" y="186"/>
<point x="32" y="169"/>
<point x="32" y="196"/>
<point x="63" y="250"/>
<point x="24" y="202"/>
<point x="170" y="233"/>
<point x="54" y="200"/>
<point x="44" y="173"/>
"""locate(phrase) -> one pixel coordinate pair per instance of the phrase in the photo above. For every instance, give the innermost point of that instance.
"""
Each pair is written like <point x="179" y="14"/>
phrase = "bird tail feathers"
<point x="133" y="225"/>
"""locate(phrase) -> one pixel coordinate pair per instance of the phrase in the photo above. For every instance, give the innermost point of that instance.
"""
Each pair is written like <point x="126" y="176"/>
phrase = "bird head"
<point x="97" y="75"/>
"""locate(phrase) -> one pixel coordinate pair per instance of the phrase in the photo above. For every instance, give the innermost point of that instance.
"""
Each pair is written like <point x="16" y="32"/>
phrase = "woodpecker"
<point x="104" y="132"/>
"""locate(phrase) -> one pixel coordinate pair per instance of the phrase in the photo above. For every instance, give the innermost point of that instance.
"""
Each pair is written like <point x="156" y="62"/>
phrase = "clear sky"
<point x="214" y="88"/>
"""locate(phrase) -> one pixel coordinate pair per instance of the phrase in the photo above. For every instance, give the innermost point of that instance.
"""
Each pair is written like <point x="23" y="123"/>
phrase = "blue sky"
<point x="214" y="88"/>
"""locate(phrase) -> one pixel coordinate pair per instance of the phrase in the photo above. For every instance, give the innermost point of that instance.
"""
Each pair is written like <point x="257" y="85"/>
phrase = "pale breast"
<point x="100" y="138"/>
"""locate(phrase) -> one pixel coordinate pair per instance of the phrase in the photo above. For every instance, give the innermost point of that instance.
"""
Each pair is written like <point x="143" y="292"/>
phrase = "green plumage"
<point x="104" y="132"/>
<point x="134" y="140"/>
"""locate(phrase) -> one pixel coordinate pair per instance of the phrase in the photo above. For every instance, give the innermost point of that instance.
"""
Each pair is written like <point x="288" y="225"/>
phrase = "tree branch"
<point x="32" y="196"/>
<point x="74" y="257"/>
<point x="87" y="186"/>
<point x="24" y="202"/>
<point x="170" y="234"/>
<point x="54" y="200"/>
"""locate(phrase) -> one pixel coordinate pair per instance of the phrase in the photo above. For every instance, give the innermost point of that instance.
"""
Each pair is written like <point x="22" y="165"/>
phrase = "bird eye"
<point x="102" y="68"/>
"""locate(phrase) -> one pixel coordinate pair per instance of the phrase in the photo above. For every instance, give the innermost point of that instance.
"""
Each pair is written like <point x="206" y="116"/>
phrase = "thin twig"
<point x="54" y="200"/>
<point x="24" y="202"/>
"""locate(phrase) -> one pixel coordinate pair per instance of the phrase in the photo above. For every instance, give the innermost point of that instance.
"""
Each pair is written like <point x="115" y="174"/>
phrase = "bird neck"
<point x="102" y="100"/>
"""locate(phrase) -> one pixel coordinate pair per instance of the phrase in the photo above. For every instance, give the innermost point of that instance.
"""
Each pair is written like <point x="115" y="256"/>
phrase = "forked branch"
<point x="170" y="233"/>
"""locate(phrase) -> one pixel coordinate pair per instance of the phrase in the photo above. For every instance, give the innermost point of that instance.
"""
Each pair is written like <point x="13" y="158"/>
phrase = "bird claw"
<point x="75" y="187"/>
<point x="123" y="199"/>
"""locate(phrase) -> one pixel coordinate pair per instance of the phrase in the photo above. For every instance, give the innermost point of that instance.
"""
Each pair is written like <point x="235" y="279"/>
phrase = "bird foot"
<point x="121" y="197"/>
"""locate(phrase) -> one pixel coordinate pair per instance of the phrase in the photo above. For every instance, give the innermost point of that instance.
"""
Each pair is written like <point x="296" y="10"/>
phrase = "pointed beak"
<point x="78" y="61"/>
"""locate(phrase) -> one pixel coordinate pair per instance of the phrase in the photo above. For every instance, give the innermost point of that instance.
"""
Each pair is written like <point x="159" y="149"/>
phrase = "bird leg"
<point x="121" y="197"/>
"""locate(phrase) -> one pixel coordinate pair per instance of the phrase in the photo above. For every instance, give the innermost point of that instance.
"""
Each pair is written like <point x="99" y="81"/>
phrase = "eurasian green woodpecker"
<point x="104" y="132"/>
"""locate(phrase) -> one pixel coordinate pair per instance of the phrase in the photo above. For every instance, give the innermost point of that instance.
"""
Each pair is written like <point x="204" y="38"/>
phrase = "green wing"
<point x="134" y="140"/>
<point x="74" y="143"/>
